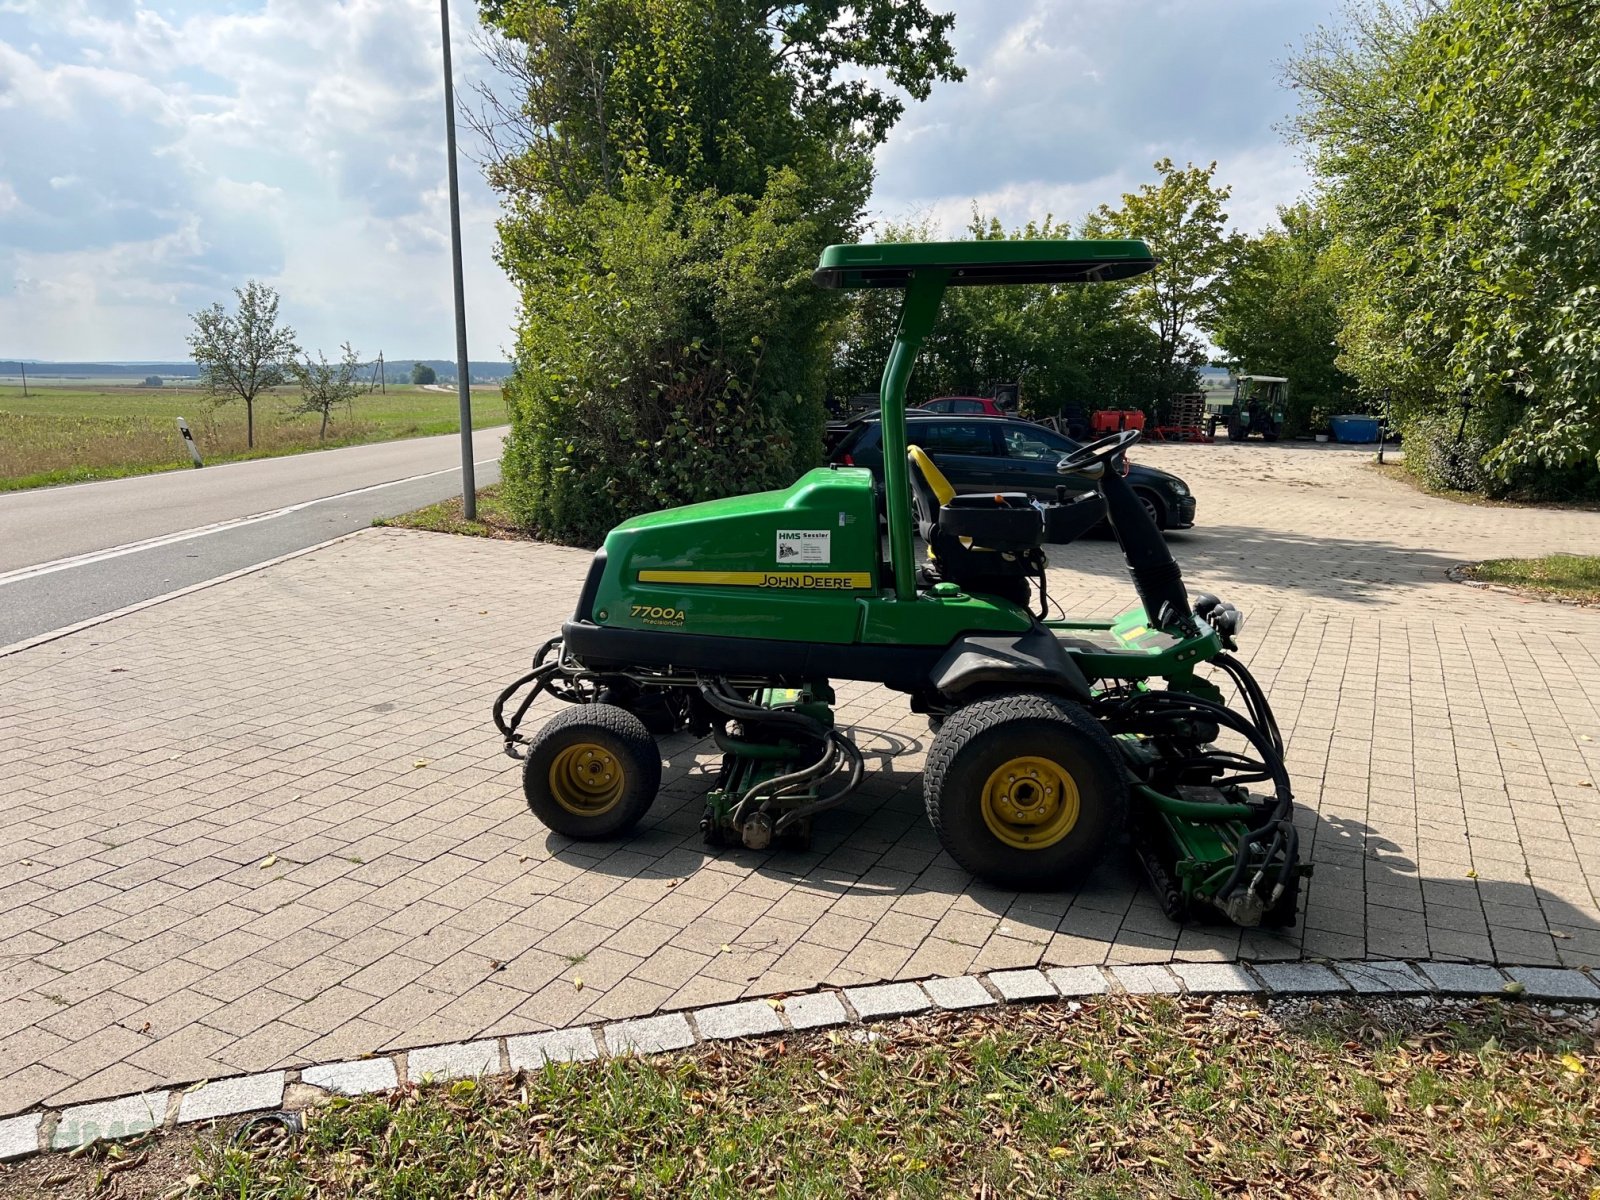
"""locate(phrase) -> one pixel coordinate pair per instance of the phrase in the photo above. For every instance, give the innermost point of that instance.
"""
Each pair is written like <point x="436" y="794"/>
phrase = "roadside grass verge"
<point x="1123" y="1097"/>
<point x="1567" y="576"/>
<point x="61" y="435"/>
<point x="1398" y="472"/>
<point x="494" y="518"/>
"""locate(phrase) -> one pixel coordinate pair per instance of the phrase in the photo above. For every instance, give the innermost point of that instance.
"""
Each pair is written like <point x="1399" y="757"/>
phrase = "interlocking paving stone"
<point x="964" y="991"/>
<point x="1301" y="978"/>
<point x="1145" y="980"/>
<point x="749" y="1019"/>
<point x="19" y="1136"/>
<point x="1024" y="984"/>
<point x="460" y="1060"/>
<point x="121" y="1118"/>
<point x="356" y="1077"/>
<point x="223" y="1098"/>
<point x="1392" y="692"/>
<point x="887" y="1000"/>
<point x="1210" y="977"/>
<point x="1547" y="984"/>
<point x="1368" y="977"/>
<point x="531" y="1051"/>
<point x="1079" y="981"/>
<point x="649" y="1035"/>
<point x="1463" y="979"/>
<point x="815" y="1010"/>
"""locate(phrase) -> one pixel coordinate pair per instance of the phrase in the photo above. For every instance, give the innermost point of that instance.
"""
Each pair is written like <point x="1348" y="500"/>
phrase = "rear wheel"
<point x="591" y="772"/>
<point x="1025" y="791"/>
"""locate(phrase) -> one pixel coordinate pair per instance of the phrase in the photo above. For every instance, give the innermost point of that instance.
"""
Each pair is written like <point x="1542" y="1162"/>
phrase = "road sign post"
<point x="188" y="440"/>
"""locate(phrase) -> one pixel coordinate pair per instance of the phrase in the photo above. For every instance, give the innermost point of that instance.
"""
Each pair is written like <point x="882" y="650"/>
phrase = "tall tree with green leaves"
<point x="1184" y="219"/>
<point x="244" y="353"/>
<point x="1277" y="311"/>
<point x="670" y="171"/>
<point x="1456" y="146"/>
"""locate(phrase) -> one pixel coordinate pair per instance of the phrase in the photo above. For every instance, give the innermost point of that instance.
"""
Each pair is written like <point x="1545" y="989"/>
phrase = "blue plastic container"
<point x="1354" y="428"/>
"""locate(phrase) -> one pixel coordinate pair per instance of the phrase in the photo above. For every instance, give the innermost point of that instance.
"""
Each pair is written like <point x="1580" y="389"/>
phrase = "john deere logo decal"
<point x="840" y="581"/>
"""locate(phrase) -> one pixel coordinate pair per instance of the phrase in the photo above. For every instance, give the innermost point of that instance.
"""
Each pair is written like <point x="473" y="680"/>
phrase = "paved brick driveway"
<point x="267" y="823"/>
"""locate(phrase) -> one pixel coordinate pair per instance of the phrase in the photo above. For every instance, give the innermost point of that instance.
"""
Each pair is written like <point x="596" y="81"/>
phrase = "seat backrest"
<point x="930" y="490"/>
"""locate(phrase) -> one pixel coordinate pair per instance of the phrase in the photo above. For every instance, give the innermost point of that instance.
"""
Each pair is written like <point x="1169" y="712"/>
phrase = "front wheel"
<point x="1153" y="508"/>
<point x="591" y="772"/>
<point x="1025" y="791"/>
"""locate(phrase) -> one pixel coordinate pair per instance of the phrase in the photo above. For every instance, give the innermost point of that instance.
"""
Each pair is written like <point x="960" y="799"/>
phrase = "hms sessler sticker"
<point x="805" y="546"/>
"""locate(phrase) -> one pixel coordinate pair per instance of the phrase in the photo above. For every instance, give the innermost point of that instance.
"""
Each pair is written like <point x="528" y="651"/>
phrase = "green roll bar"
<point x="923" y="270"/>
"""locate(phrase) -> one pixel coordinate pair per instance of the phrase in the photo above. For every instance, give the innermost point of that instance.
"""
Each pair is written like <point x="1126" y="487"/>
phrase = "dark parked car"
<point x="985" y="454"/>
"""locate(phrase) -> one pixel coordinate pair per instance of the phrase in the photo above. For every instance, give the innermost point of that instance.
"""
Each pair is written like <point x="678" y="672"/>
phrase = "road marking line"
<point x="168" y="539"/>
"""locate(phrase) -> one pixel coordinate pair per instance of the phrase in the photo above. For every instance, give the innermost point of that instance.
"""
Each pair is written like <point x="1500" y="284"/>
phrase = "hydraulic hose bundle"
<point x="1267" y="852"/>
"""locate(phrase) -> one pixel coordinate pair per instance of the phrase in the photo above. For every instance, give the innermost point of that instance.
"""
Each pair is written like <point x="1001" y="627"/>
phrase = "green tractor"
<point x="1054" y="739"/>
<point x="1259" y="405"/>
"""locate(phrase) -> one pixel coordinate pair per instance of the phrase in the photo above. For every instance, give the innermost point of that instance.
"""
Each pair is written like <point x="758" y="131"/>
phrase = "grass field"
<point x="1124" y="1098"/>
<point x="1568" y="576"/>
<point x="103" y="431"/>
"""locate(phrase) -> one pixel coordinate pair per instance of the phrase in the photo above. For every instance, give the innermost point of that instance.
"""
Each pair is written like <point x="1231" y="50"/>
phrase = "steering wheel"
<point x="1092" y="460"/>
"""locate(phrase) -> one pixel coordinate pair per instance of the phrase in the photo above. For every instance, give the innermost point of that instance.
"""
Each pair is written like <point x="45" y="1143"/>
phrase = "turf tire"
<point x="977" y="739"/>
<point x="624" y="736"/>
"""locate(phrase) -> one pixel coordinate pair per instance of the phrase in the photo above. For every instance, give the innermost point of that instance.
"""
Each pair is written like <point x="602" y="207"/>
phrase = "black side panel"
<point x="591" y="587"/>
<point x="599" y="648"/>
<point x="1029" y="660"/>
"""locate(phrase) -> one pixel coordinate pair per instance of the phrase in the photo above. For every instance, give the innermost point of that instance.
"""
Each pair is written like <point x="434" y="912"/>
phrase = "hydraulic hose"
<point x="1263" y="735"/>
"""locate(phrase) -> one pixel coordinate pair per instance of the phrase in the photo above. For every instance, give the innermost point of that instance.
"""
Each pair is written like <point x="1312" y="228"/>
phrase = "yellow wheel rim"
<point x="586" y="779"/>
<point x="1030" y="803"/>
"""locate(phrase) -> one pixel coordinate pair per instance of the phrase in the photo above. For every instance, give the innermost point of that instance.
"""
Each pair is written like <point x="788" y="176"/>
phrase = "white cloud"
<point x="1066" y="106"/>
<point x="151" y="161"/>
<point x="156" y="153"/>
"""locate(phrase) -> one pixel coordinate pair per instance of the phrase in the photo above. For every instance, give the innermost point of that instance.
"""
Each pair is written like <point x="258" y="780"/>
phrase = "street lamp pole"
<point x="469" y="490"/>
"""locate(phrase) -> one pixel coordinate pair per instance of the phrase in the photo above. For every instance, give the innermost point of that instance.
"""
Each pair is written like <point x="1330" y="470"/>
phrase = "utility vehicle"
<point x="1054" y="738"/>
<point x="1258" y="406"/>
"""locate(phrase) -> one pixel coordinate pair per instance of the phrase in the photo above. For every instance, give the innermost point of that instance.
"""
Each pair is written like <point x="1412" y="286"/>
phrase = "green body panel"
<point x="937" y="620"/>
<point x="702" y="547"/>
<point x="1131" y="648"/>
<point x="725" y="574"/>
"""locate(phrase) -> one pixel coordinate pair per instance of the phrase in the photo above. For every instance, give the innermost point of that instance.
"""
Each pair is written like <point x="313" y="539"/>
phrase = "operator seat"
<point x="988" y="542"/>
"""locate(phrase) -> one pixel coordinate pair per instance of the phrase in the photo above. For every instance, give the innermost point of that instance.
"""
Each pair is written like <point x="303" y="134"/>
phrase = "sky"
<point x="155" y="154"/>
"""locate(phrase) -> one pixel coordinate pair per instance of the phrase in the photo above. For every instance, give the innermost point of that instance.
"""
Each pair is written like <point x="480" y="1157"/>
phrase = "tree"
<point x="152" y="381"/>
<point x="671" y="170"/>
<point x="423" y="375"/>
<point x="1277" y="311"/>
<point x="1455" y="144"/>
<point x="1183" y="219"/>
<point x="241" y="355"/>
<point x="324" y="385"/>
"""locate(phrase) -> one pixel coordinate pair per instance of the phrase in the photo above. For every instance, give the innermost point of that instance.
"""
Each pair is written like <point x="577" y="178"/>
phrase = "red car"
<point x="965" y="406"/>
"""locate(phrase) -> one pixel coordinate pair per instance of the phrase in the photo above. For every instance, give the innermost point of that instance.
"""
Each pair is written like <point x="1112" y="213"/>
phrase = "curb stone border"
<point x="42" y="1129"/>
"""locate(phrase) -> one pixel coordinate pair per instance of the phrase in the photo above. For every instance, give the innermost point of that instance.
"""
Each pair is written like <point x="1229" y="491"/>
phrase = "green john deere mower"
<point x="1056" y="739"/>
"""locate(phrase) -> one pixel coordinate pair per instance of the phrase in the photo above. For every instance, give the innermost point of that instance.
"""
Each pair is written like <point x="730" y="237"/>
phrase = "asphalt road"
<point x="68" y="554"/>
